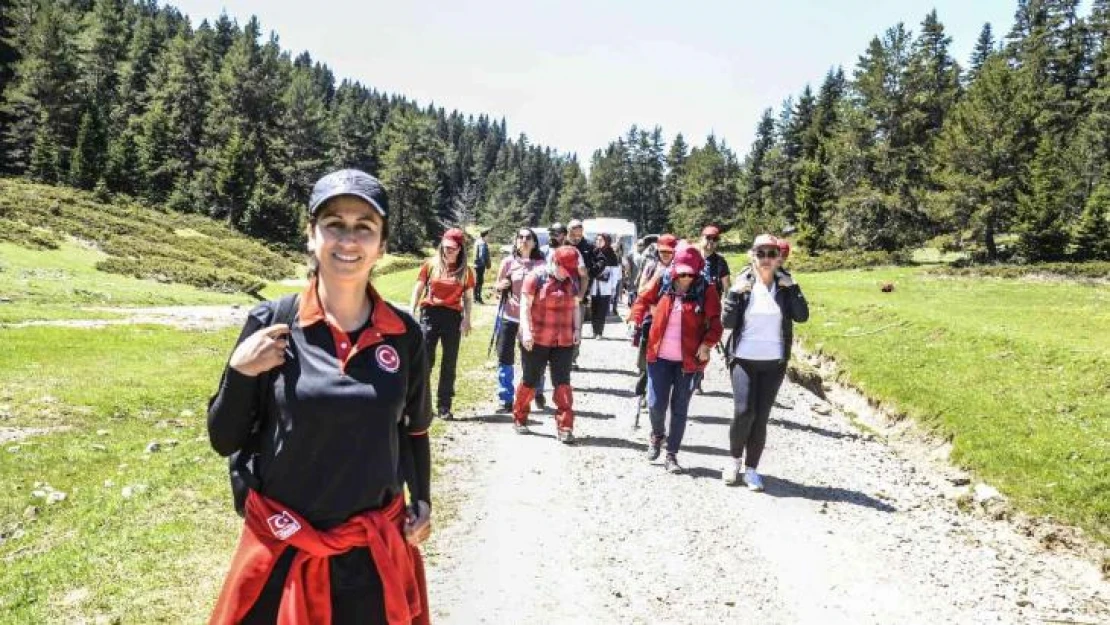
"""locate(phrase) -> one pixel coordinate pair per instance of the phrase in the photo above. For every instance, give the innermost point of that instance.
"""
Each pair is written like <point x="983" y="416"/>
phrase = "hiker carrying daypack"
<point x="676" y="348"/>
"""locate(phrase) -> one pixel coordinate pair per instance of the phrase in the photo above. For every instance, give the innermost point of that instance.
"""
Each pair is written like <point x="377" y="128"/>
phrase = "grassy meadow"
<point x="112" y="503"/>
<point x="1015" y="373"/>
<point x="142" y="536"/>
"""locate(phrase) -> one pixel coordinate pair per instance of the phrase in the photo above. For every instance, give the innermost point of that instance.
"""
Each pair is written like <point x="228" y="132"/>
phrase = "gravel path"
<point x="848" y="531"/>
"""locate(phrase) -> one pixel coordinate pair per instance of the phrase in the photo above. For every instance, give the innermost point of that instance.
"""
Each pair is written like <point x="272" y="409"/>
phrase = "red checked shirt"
<point x="553" y="307"/>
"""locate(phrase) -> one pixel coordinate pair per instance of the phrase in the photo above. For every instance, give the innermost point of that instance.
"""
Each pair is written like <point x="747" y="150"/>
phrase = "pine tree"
<point x="984" y="47"/>
<point x="574" y="197"/>
<point x="235" y="171"/>
<point x="1041" y="226"/>
<point x="305" y="125"/>
<point x="980" y="151"/>
<point x="85" y="163"/>
<point x="709" y="189"/>
<point x="271" y="213"/>
<point x="409" y="169"/>
<point x="41" y="91"/>
<point x="103" y="49"/>
<point x="755" y="181"/>
<point x="45" y="162"/>
<point x="1092" y="237"/>
<point x="137" y="68"/>
<point x="814" y="203"/>
<point x="157" y="146"/>
<point x="676" y="170"/>
<point x="122" y="163"/>
<point x="354" y="131"/>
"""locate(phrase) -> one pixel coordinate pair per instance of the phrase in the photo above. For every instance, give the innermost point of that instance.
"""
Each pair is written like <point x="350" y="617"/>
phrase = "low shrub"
<point x="169" y="270"/>
<point x="846" y="259"/>
<point x="1094" y="270"/>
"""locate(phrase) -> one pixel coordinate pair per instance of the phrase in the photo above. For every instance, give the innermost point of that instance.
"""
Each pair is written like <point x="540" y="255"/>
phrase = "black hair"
<point x="536" y="253"/>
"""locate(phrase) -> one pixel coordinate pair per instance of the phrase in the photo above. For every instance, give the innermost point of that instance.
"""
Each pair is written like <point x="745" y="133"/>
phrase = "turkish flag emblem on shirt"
<point x="388" y="358"/>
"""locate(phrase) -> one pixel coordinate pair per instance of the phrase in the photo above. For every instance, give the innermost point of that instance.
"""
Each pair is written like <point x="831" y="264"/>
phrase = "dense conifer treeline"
<point x="1006" y="155"/>
<point x="127" y="97"/>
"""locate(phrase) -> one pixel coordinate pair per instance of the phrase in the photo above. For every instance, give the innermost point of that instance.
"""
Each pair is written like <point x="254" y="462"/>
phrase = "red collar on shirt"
<point x="383" y="321"/>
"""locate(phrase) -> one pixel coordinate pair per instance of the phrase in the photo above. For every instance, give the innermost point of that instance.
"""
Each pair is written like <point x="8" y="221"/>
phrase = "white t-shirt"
<point x="761" y="337"/>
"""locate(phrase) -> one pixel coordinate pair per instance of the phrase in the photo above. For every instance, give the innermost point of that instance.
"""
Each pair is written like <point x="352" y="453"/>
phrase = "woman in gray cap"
<point x="324" y="408"/>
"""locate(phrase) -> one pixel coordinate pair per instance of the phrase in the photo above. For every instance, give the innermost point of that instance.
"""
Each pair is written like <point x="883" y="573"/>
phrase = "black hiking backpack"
<point x="242" y="466"/>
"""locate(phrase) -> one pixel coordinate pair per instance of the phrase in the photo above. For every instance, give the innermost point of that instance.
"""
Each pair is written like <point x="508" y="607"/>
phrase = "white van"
<point x="622" y="230"/>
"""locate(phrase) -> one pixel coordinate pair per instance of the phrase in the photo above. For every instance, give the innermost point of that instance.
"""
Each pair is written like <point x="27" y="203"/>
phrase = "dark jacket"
<point x="790" y="299"/>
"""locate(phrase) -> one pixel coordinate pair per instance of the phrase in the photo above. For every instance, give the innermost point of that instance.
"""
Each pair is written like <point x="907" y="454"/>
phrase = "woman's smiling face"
<point x="347" y="238"/>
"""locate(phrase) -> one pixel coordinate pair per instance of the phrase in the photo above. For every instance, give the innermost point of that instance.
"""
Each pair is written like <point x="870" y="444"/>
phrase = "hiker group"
<point x="326" y="401"/>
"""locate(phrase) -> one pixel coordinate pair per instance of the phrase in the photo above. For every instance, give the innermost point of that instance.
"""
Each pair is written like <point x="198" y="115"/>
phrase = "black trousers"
<point x="479" y="278"/>
<point x="641" y="366"/>
<point x="441" y="324"/>
<point x="599" y="310"/>
<point x="542" y="356"/>
<point x="506" y="342"/>
<point x="356" y="590"/>
<point x="755" y="383"/>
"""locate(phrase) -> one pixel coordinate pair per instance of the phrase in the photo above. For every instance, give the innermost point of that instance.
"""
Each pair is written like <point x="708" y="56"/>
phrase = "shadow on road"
<point x="812" y="429"/>
<point x="782" y="487"/>
<point x="702" y="472"/>
<point x="616" y="392"/>
<point x="612" y="371"/>
<point x="715" y="394"/>
<point x="710" y="419"/>
<point x="623" y="443"/>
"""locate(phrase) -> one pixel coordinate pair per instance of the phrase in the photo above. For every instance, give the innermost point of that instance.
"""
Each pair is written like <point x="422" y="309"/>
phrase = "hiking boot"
<point x="446" y="414"/>
<point x="731" y="474"/>
<point x="752" y="479"/>
<point x="521" y="428"/>
<point x="541" y="401"/>
<point x="505" y="406"/>
<point x="655" y="447"/>
<point x="671" y="464"/>
<point x="566" y="437"/>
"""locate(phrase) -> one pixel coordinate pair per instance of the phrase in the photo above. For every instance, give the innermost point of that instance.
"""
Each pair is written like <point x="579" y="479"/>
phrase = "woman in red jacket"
<point x="686" y="324"/>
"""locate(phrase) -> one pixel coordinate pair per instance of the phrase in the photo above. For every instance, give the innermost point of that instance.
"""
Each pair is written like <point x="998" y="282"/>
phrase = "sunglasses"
<point x="662" y="252"/>
<point x="524" y="235"/>
<point x="712" y="239"/>
<point x="682" y="276"/>
<point x="771" y="253"/>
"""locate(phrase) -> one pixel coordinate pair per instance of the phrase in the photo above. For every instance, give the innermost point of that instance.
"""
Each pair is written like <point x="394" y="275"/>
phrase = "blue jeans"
<point x="667" y="383"/>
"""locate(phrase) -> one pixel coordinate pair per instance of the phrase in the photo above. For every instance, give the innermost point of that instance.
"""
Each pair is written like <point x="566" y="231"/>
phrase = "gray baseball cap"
<point x="348" y="182"/>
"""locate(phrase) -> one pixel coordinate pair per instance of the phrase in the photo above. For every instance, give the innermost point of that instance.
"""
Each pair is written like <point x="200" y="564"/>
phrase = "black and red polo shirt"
<point x="330" y="443"/>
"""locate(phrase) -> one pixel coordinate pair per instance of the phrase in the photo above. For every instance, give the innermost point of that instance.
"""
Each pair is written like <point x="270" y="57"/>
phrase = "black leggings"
<point x="599" y="310"/>
<point x="506" y="342"/>
<point x="443" y="324"/>
<point x="755" y="383"/>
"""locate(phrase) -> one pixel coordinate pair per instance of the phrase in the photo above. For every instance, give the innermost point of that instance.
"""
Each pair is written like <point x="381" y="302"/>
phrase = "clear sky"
<point x="575" y="74"/>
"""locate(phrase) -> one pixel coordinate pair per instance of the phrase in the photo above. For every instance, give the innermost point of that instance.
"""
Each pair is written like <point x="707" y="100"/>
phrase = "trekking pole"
<point x="497" y="321"/>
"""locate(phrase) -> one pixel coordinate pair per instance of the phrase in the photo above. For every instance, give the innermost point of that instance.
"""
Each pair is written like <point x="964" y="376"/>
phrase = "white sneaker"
<point x="752" y="479"/>
<point x="731" y="474"/>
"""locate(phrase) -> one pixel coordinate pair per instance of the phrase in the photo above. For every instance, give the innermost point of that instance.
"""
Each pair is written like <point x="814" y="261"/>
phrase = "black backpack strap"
<point x="243" y="466"/>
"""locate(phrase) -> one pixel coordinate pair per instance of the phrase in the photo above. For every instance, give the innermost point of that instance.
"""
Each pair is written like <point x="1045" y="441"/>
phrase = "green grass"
<point x="1014" y="372"/>
<point x="63" y="283"/>
<point x="137" y="240"/>
<point x="160" y="555"/>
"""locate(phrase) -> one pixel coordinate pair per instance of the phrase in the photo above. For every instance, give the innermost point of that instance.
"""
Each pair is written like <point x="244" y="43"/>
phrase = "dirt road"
<point x="848" y="530"/>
